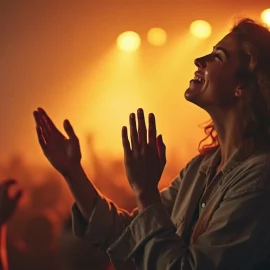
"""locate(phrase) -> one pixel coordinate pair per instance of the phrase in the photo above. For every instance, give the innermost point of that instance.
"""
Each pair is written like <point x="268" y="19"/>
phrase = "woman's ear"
<point x="239" y="91"/>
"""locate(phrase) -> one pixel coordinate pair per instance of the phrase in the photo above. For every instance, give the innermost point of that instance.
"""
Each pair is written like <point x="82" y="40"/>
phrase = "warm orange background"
<point x="62" y="56"/>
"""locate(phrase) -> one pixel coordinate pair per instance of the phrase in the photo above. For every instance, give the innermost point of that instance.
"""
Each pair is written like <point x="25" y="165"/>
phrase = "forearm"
<point x="104" y="221"/>
<point x="84" y="192"/>
<point x="3" y="248"/>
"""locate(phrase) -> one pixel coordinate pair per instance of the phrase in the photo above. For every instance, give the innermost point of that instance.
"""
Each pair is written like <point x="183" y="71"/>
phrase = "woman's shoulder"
<point x="258" y="159"/>
<point x="253" y="172"/>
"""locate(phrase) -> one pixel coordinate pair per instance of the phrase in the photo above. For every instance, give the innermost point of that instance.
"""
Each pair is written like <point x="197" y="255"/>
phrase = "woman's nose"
<point x="200" y="62"/>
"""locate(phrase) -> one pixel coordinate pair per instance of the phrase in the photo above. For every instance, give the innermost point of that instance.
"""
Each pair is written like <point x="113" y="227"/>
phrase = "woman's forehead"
<point x="230" y="41"/>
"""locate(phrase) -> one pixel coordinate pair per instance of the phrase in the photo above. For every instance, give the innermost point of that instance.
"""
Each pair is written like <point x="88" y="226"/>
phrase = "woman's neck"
<point x="227" y="130"/>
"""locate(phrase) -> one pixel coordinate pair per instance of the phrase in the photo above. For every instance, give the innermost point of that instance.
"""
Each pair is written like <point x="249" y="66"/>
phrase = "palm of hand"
<point x="145" y="168"/>
<point x="63" y="153"/>
<point x="144" y="159"/>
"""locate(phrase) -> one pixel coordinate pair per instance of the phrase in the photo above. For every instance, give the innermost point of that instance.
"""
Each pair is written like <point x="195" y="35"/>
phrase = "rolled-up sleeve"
<point x="107" y="221"/>
<point x="236" y="238"/>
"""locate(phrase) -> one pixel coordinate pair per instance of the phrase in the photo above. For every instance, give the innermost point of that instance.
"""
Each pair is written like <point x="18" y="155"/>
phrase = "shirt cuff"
<point x="94" y="229"/>
<point x="152" y="221"/>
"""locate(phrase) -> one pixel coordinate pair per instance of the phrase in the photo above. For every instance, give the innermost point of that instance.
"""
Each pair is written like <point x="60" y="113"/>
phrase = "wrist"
<point x="142" y="192"/>
<point x="146" y="198"/>
<point x="74" y="172"/>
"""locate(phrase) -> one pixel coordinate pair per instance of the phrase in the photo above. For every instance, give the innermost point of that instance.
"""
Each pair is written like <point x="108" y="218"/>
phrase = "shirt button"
<point x="192" y="241"/>
<point x="203" y="205"/>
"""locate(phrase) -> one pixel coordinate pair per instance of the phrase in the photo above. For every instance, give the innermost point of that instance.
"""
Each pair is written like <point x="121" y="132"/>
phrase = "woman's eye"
<point x="218" y="56"/>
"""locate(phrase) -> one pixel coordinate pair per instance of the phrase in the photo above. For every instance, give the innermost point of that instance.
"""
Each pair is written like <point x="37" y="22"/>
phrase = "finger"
<point x="133" y="133"/>
<point x="142" y="129"/>
<point x="17" y="196"/>
<point x="38" y="119"/>
<point x="5" y="186"/>
<point x="41" y="139"/>
<point x="49" y="123"/>
<point x="152" y="131"/>
<point x="126" y="143"/>
<point x="161" y="151"/>
<point x="69" y="130"/>
<point x="40" y="122"/>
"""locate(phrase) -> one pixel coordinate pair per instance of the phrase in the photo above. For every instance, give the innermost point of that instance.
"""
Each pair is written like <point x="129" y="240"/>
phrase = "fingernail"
<point x="132" y="115"/>
<point x="140" y="111"/>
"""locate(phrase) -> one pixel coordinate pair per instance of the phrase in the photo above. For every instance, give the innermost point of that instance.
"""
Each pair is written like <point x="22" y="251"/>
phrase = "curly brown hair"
<point x="254" y="72"/>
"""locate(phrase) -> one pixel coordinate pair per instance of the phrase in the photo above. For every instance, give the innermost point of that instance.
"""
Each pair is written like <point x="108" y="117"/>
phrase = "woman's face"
<point x="215" y="82"/>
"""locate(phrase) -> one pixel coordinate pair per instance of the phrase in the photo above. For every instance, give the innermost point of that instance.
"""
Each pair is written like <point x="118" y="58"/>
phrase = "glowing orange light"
<point x="128" y="41"/>
<point x="265" y="16"/>
<point x="157" y="36"/>
<point x="200" y="29"/>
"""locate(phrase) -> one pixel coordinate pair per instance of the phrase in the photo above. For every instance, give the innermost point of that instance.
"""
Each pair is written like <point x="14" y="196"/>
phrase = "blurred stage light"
<point x="200" y="29"/>
<point x="265" y="16"/>
<point x="157" y="36"/>
<point x="128" y="41"/>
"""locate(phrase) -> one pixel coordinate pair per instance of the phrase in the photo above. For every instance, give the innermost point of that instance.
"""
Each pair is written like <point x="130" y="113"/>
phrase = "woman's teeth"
<point x="198" y="79"/>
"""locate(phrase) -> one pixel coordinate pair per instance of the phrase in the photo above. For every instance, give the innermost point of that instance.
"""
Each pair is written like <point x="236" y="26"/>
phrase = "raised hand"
<point x="144" y="159"/>
<point x="8" y="203"/>
<point x="62" y="152"/>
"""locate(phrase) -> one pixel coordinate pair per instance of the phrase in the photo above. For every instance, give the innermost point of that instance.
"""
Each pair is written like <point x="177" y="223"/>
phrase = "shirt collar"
<point x="212" y="160"/>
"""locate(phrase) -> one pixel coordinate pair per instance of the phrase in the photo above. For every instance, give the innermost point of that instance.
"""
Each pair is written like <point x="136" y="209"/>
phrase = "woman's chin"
<point x="194" y="91"/>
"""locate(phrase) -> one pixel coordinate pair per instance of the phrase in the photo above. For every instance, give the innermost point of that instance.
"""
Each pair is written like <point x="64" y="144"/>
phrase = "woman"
<point x="213" y="214"/>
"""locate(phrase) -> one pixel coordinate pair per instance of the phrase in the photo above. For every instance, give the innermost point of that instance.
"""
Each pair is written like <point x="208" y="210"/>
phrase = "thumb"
<point x="161" y="150"/>
<point x="69" y="130"/>
<point x="17" y="196"/>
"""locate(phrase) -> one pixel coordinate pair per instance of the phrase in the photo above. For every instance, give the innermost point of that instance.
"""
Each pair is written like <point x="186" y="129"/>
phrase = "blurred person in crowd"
<point x="214" y="214"/>
<point x="106" y="172"/>
<point x="8" y="205"/>
<point x="41" y="241"/>
<point x="76" y="254"/>
<point x="35" y="245"/>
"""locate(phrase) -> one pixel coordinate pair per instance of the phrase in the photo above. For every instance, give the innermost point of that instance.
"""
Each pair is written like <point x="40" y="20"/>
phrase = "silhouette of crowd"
<point x="42" y="215"/>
